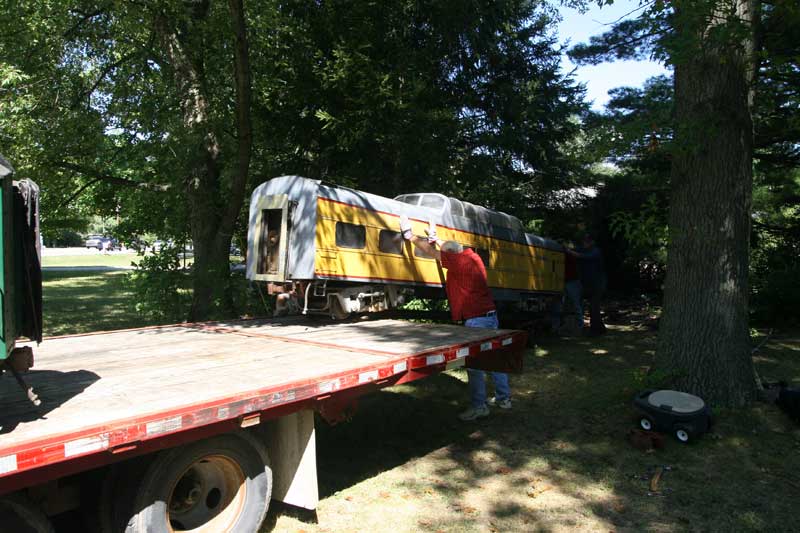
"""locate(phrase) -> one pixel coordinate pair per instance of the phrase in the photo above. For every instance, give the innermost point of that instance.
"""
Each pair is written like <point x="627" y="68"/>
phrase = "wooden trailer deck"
<point x="101" y="392"/>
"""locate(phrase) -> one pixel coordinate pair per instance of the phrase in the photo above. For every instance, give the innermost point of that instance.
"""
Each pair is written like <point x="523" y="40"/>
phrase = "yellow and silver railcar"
<point x="344" y="247"/>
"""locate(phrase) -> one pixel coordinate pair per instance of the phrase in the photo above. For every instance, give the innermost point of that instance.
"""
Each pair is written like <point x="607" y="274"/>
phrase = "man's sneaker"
<point x="474" y="412"/>
<point x="502" y="404"/>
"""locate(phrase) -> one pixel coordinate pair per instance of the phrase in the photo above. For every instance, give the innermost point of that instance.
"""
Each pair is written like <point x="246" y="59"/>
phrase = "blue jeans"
<point x="477" y="378"/>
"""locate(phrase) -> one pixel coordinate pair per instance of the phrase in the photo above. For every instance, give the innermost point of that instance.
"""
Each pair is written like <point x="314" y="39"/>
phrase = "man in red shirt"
<point x="470" y="301"/>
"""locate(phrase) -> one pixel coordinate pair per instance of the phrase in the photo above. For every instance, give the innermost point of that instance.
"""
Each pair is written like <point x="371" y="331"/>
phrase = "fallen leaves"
<point x="535" y="492"/>
<point x="655" y="479"/>
<point x="619" y="507"/>
<point x="464" y="509"/>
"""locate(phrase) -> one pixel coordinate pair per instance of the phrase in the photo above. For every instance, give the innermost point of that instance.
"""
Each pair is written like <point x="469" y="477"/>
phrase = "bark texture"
<point x="214" y="208"/>
<point x="704" y="342"/>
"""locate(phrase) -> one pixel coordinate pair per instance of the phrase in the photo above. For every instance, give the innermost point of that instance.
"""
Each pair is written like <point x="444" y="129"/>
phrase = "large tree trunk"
<point x="704" y="341"/>
<point x="213" y="208"/>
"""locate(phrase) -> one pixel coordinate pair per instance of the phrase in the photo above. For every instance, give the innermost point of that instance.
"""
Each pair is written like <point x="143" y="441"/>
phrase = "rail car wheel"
<point x="218" y="485"/>
<point x="20" y="515"/>
<point x="337" y="311"/>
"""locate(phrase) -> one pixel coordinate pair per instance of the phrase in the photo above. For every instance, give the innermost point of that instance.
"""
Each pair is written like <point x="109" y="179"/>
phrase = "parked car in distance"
<point x="99" y="242"/>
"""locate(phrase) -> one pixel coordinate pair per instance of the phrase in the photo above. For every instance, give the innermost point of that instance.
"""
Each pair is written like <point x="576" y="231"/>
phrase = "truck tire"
<point x="220" y="484"/>
<point x="20" y="515"/>
<point x="116" y="492"/>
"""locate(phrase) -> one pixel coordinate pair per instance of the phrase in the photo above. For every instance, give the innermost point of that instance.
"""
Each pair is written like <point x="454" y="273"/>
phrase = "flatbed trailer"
<point x="153" y="393"/>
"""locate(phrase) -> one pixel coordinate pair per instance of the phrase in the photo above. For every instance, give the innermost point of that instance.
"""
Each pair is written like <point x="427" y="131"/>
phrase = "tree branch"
<point x="96" y="175"/>
<point x="75" y="194"/>
<point x="243" y="120"/>
<point x="85" y="17"/>
<point x="103" y="74"/>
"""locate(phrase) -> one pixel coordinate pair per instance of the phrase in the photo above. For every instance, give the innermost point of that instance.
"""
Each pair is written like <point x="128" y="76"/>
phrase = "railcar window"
<point x="418" y="252"/>
<point x="412" y="199"/>
<point x="470" y="211"/>
<point x="456" y="208"/>
<point x="390" y="242"/>
<point x="484" y="255"/>
<point x="499" y="219"/>
<point x="350" y="235"/>
<point x="433" y="201"/>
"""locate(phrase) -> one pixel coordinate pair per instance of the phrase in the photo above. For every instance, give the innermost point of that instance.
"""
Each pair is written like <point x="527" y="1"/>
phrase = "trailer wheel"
<point x="20" y="515"/>
<point x="646" y="424"/>
<point x="217" y="485"/>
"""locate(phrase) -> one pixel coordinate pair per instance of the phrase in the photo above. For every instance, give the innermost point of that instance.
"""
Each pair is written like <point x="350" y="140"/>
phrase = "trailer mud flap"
<point x="507" y="360"/>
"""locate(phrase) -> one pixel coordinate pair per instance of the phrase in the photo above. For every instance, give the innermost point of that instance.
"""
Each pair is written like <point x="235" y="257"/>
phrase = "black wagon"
<point x="684" y="415"/>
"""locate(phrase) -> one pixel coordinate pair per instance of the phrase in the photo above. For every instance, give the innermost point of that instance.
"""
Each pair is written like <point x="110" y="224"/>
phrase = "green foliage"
<point x="463" y="99"/>
<point x="160" y="286"/>
<point x="646" y="230"/>
<point x="64" y="238"/>
<point x="425" y="304"/>
<point x="250" y="299"/>
<point x="775" y="257"/>
<point x="651" y="378"/>
<point x="636" y="132"/>
<point x="467" y="100"/>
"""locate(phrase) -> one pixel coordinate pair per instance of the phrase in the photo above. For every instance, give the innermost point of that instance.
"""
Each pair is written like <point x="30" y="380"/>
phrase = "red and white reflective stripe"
<point x="167" y="425"/>
<point x="462" y="352"/>
<point x="486" y="346"/>
<point x="507" y="341"/>
<point x="366" y="377"/>
<point x="435" y="359"/>
<point x="8" y="464"/>
<point x="86" y="445"/>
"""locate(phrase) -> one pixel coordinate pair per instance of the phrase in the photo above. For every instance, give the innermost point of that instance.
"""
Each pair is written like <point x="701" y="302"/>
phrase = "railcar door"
<point x="271" y="232"/>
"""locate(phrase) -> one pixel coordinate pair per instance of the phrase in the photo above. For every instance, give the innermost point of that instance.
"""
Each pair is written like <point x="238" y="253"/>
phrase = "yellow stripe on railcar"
<point x="510" y="265"/>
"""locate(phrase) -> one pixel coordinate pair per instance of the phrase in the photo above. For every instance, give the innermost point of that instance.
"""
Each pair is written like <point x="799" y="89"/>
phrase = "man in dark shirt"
<point x="571" y="321"/>
<point x="470" y="301"/>
<point x="593" y="281"/>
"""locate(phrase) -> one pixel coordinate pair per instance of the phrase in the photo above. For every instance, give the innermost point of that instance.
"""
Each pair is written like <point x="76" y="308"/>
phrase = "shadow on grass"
<point x="560" y="459"/>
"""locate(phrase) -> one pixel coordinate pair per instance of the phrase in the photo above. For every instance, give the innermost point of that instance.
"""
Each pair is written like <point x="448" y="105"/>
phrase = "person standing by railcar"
<point x="568" y="312"/>
<point x="593" y="281"/>
<point x="470" y="301"/>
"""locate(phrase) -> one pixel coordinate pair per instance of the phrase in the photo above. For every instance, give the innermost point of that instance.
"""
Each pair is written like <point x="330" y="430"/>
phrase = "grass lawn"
<point x="560" y="460"/>
<point x="89" y="260"/>
<point x="78" y="302"/>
